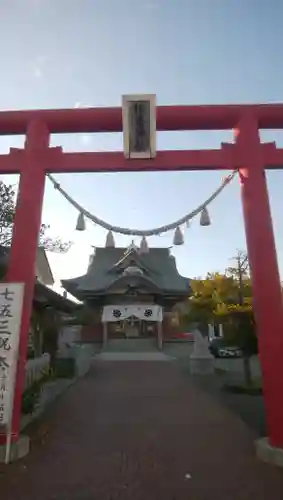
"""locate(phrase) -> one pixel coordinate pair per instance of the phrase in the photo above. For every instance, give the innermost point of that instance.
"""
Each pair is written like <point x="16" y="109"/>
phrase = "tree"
<point x="7" y="215"/>
<point x="207" y="295"/>
<point x="240" y="272"/>
<point x="227" y="299"/>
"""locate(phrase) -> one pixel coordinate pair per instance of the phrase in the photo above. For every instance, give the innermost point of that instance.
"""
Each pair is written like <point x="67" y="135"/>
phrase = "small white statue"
<point x="201" y="360"/>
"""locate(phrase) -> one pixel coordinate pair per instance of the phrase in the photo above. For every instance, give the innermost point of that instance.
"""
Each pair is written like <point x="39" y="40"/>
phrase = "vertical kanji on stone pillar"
<point x="267" y="292"/>
<point x="23" y="250"/>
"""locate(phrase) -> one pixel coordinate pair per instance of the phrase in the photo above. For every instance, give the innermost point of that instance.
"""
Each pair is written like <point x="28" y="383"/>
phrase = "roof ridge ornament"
<point x="132" y="250"/>
<point x="132" y="246"/>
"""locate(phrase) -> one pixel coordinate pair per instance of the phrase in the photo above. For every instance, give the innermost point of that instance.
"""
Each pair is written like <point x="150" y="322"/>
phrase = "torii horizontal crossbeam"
<point x="213" y="117"/>
<point x="54" y="160"/>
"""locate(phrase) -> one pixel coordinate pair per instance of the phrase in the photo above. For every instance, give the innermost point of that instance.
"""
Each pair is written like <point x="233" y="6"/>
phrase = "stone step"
<point x="133" y="356"/>
<point x="131" y="345"/>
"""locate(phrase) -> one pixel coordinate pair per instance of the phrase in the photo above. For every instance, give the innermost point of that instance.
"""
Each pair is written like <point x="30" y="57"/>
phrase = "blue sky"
<point x="68" y="53"/>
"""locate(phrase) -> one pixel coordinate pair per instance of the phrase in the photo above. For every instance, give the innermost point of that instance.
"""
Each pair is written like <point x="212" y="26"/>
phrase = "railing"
<point x="35" y="368"/>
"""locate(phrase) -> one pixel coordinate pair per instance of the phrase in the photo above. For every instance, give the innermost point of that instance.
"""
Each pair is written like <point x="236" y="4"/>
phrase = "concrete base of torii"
<point x="268" y="453"/>
<point x="19" y="449"/>
<point x="201" y="360"/>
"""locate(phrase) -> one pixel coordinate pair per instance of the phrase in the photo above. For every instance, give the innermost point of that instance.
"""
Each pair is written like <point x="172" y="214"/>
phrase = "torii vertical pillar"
<point x="23" y="250"/>
<point x="267" y="291"/>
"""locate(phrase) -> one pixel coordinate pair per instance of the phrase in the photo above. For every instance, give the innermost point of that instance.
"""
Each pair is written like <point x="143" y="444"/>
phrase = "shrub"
<point x="31" y="396"/>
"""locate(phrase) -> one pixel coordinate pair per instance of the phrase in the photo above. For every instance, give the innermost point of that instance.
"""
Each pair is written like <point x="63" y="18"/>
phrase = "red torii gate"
<point x="247" y="155"/>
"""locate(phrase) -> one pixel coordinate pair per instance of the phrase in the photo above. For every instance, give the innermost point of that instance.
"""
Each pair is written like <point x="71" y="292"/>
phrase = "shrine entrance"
<point x="138" y="321"/>
<point x="139" y="119"/>
<point x="133" y="327"/>
<point x="137" y="328"/>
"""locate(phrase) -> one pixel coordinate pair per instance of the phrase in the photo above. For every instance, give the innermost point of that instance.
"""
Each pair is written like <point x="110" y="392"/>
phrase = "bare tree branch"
<point x="7" y="215"/>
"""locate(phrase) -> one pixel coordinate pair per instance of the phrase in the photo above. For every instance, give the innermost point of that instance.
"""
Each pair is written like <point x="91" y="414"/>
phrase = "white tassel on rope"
<point x="80" y="222"/>
<point x="144" y="245"/>
<point x="110" y="242"/>
<point x="178" y="237"/>
<point x="204" y="218"/>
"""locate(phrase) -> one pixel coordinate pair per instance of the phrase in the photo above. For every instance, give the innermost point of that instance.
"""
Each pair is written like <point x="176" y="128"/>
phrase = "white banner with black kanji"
<point x="11" y="303"/>
<point x="140" y="311"/>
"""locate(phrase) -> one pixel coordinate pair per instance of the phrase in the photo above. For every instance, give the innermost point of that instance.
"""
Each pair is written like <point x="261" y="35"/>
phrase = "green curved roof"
<point x="108" y="264"/>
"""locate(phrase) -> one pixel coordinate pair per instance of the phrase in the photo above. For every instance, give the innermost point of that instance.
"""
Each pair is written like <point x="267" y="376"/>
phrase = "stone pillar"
<point x="211" y="333"/>
<point x="201" y="360"/>
<point x="159" y="335"/>
<point x="105" y="335"/>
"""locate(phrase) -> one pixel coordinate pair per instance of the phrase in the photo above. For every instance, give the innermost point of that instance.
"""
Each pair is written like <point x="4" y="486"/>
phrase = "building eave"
<point x="47" y="296"/>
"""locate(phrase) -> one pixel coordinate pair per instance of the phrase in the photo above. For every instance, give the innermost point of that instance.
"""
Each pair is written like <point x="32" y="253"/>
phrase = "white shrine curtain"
<point x="140" y="311"/>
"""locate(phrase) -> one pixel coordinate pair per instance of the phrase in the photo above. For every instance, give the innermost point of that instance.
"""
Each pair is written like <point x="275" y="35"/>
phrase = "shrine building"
<point x="129" y="293"/>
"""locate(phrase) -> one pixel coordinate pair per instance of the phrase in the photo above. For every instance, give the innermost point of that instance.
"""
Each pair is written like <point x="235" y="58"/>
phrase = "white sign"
<point x="150" y="312"/>
<point x="11" y="303"/>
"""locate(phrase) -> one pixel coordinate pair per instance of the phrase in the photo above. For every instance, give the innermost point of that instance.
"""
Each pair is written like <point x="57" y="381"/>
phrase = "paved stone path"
<point x="140" y="431"/>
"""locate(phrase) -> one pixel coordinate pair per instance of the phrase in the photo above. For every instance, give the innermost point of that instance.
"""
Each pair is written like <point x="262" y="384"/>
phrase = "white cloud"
<point x="37" y="72"/>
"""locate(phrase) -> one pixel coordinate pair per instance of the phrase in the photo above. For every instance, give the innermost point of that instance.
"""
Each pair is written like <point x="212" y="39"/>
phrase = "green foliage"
<point x="52" y="244"/>
<point x="31" y="396"/>
<point x="7" y="215"/>
<point x="46" y="323"/>
<point x="65" y="368"/>
<point x="252" y="389"/>
<point x="239" y="326"/>
<point x="30" y="399"/>
<point x="216" y="298"/>
<point x="207" y="294"/>
<point x="7" y="211"/>
<point x="227" y="299"/>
